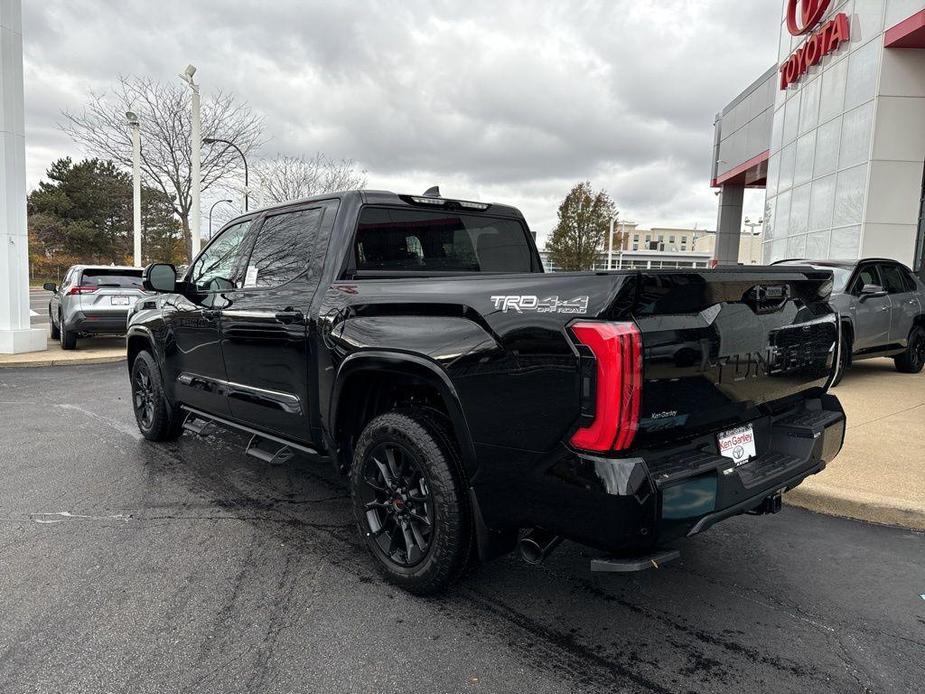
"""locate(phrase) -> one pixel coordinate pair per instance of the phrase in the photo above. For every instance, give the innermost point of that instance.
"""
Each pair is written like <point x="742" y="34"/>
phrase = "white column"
<point x="136" y="192"/>
<point x="196" y="183"/>
<point x="16" y="335"/>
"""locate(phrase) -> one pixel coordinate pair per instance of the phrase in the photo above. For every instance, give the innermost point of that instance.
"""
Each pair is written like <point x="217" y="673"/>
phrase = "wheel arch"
<point x="364" y="378"/>
<point x="137" y="340"/>
<point x="847" y="327"/>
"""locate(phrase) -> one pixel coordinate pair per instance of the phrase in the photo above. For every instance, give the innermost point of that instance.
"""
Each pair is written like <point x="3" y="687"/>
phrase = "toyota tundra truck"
<point x="474" y="402"/>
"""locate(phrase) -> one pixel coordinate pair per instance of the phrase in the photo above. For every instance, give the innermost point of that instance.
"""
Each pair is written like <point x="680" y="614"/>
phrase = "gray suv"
<point x="92" y="300"/>
<point x="882" y="305"/>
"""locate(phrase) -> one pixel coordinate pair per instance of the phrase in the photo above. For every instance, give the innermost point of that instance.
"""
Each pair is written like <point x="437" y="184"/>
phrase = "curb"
<point x="859" y="506"/>
<point x="61" y="362"/>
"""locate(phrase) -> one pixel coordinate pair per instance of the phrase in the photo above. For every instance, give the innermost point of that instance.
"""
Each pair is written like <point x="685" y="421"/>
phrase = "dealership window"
<point x="822" y="203"/>
<point x="828" y="138"/>
<point x="817" y="244"/>
<point x="849" y="196"/>
<point x="857" y="127"/>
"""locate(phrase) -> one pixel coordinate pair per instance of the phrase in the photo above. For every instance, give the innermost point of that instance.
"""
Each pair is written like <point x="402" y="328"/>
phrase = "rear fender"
<point x="420" y="368"/>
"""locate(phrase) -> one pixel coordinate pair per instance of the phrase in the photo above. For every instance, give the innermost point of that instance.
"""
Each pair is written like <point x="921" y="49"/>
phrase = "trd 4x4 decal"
<point x="549" y="304"/>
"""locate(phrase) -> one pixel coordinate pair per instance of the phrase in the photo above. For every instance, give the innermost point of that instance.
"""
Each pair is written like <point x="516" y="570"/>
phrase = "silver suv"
<point x="882" y="305"/>
<point x="92" y="300"/>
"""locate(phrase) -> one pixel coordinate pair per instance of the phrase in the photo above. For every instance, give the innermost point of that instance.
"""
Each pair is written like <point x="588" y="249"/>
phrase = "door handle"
<point x="287" y="317"/>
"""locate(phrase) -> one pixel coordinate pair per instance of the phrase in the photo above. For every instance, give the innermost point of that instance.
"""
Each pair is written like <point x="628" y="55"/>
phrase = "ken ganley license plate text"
<point x="738" y="444"/>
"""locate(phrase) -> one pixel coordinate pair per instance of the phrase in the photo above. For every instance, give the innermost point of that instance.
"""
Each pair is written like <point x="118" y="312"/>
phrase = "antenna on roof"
<point x="432" y="192"/>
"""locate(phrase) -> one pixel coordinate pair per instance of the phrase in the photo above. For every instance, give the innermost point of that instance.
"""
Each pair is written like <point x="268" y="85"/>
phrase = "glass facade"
<point x="821" y="143"/>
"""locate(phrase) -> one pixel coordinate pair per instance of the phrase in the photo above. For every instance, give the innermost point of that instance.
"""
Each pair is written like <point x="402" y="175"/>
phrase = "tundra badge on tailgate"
<point x="549" y="304"/>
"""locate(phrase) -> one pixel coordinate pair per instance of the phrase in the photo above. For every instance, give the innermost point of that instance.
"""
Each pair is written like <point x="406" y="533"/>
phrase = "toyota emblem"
<point x="809" y="15"/>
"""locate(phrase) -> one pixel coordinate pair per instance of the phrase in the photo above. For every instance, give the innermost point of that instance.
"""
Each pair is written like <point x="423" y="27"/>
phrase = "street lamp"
<point x="751" y="237"/>
<point x="210" y="214"/>
<point x="135" y="125"/>
<point x="229" y="143"/>
<point x="195" y="158"/>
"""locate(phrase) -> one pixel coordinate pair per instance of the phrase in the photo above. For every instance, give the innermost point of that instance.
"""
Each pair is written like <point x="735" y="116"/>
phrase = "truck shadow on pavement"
<point x="750" y="605"/>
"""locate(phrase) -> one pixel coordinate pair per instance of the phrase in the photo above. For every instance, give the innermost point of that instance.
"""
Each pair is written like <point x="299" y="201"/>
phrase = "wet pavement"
<point x="127" y="566"/>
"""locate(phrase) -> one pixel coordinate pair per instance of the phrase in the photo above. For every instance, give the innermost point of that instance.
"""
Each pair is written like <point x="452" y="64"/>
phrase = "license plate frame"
<point x="119" y="300"/>
<point x="737" y="444"/>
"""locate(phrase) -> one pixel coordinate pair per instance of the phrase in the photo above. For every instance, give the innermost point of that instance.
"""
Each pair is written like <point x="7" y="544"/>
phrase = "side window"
<point x="867" y="275"/>
<point x="909" y="280"/>
<point x="215" y="269"/>
<point x="283" y="248"/>
<point x="892" y="279"/>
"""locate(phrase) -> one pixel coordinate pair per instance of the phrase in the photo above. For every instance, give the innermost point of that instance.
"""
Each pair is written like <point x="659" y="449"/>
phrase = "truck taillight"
<point x="81" y="290"/>
<point x="617" y="349"/>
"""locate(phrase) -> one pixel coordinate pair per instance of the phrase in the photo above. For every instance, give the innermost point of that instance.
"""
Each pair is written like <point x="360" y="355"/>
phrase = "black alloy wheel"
<point x="157" y="419"/>
<point x="912" y="361"/>
<point x="397" y="503"/>
<point x="410" y="500"/>
<point x="143" y="397"/>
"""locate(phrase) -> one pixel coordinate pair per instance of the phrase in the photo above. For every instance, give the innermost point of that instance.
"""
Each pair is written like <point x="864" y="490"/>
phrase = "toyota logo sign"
<point x="811" y="12"/>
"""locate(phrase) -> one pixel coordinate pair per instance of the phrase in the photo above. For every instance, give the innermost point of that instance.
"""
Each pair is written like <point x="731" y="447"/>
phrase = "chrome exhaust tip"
<point x="536" y="545"/>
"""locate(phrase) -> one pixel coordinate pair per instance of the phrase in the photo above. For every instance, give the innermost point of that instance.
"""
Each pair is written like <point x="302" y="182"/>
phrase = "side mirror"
<point x="50" y="287"/>
<point x="872" y="291"/>
<point x="160" y="277"/>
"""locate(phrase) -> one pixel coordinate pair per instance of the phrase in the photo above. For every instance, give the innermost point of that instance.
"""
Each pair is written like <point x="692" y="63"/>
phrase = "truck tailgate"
<point x="719" y="344"/>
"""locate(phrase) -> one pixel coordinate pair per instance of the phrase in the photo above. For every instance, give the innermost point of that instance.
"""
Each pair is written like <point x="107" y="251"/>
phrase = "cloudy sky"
<point x="509" y="101"/>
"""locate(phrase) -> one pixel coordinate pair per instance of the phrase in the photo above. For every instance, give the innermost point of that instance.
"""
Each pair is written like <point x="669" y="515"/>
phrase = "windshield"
<point x="116" y="277"/>
<point x="442" y="241"/>
<point x="841" y="278"/>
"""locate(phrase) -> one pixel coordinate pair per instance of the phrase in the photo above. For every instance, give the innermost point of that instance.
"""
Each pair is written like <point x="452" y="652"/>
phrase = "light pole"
<point x="135" y="126"/>
<point x="195" y="159"/>
<point x="210" y="214"/>
<point x="229" y="143"/>
<point x="610" y="245"/>
<point x="751" y="238"/>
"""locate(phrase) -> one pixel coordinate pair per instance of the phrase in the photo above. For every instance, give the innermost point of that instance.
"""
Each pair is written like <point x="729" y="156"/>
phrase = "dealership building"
<point x="834" y="133"/>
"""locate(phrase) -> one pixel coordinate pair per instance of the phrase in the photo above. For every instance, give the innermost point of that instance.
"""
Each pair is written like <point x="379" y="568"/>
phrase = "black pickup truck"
<point x="475" y="402"/>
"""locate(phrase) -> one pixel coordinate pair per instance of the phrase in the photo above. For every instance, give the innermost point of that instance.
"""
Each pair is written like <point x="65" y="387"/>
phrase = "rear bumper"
<point x="635" y="503"/>
<point x="109" y="322"/>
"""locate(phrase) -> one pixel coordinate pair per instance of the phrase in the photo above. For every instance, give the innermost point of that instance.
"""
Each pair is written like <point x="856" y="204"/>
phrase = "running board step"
<point x="269" y="451"/>
<point x="195" y="424"/>
<point x="625" y="565"/>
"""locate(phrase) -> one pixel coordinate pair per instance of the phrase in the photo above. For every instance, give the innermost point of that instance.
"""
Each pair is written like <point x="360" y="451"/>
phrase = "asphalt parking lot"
<point x="132" y="567"/>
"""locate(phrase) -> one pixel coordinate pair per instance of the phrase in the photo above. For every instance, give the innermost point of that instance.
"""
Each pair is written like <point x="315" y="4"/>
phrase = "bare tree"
<point x="290" y="178"/>
<point x="166" y="133"/>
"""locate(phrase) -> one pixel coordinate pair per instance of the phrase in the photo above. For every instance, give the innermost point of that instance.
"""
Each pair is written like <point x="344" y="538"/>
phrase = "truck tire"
<point x="410" y="503"/>
<point x="53" y="331"/>
<point x="157" y="419"/>
<point x="913" y="359"/>
<point x="68" y="337"/>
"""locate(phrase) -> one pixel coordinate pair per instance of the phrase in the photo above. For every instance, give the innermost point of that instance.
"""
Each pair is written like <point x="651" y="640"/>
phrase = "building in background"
<point x="665" y="247"/>
<point x="835" y="134"/>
